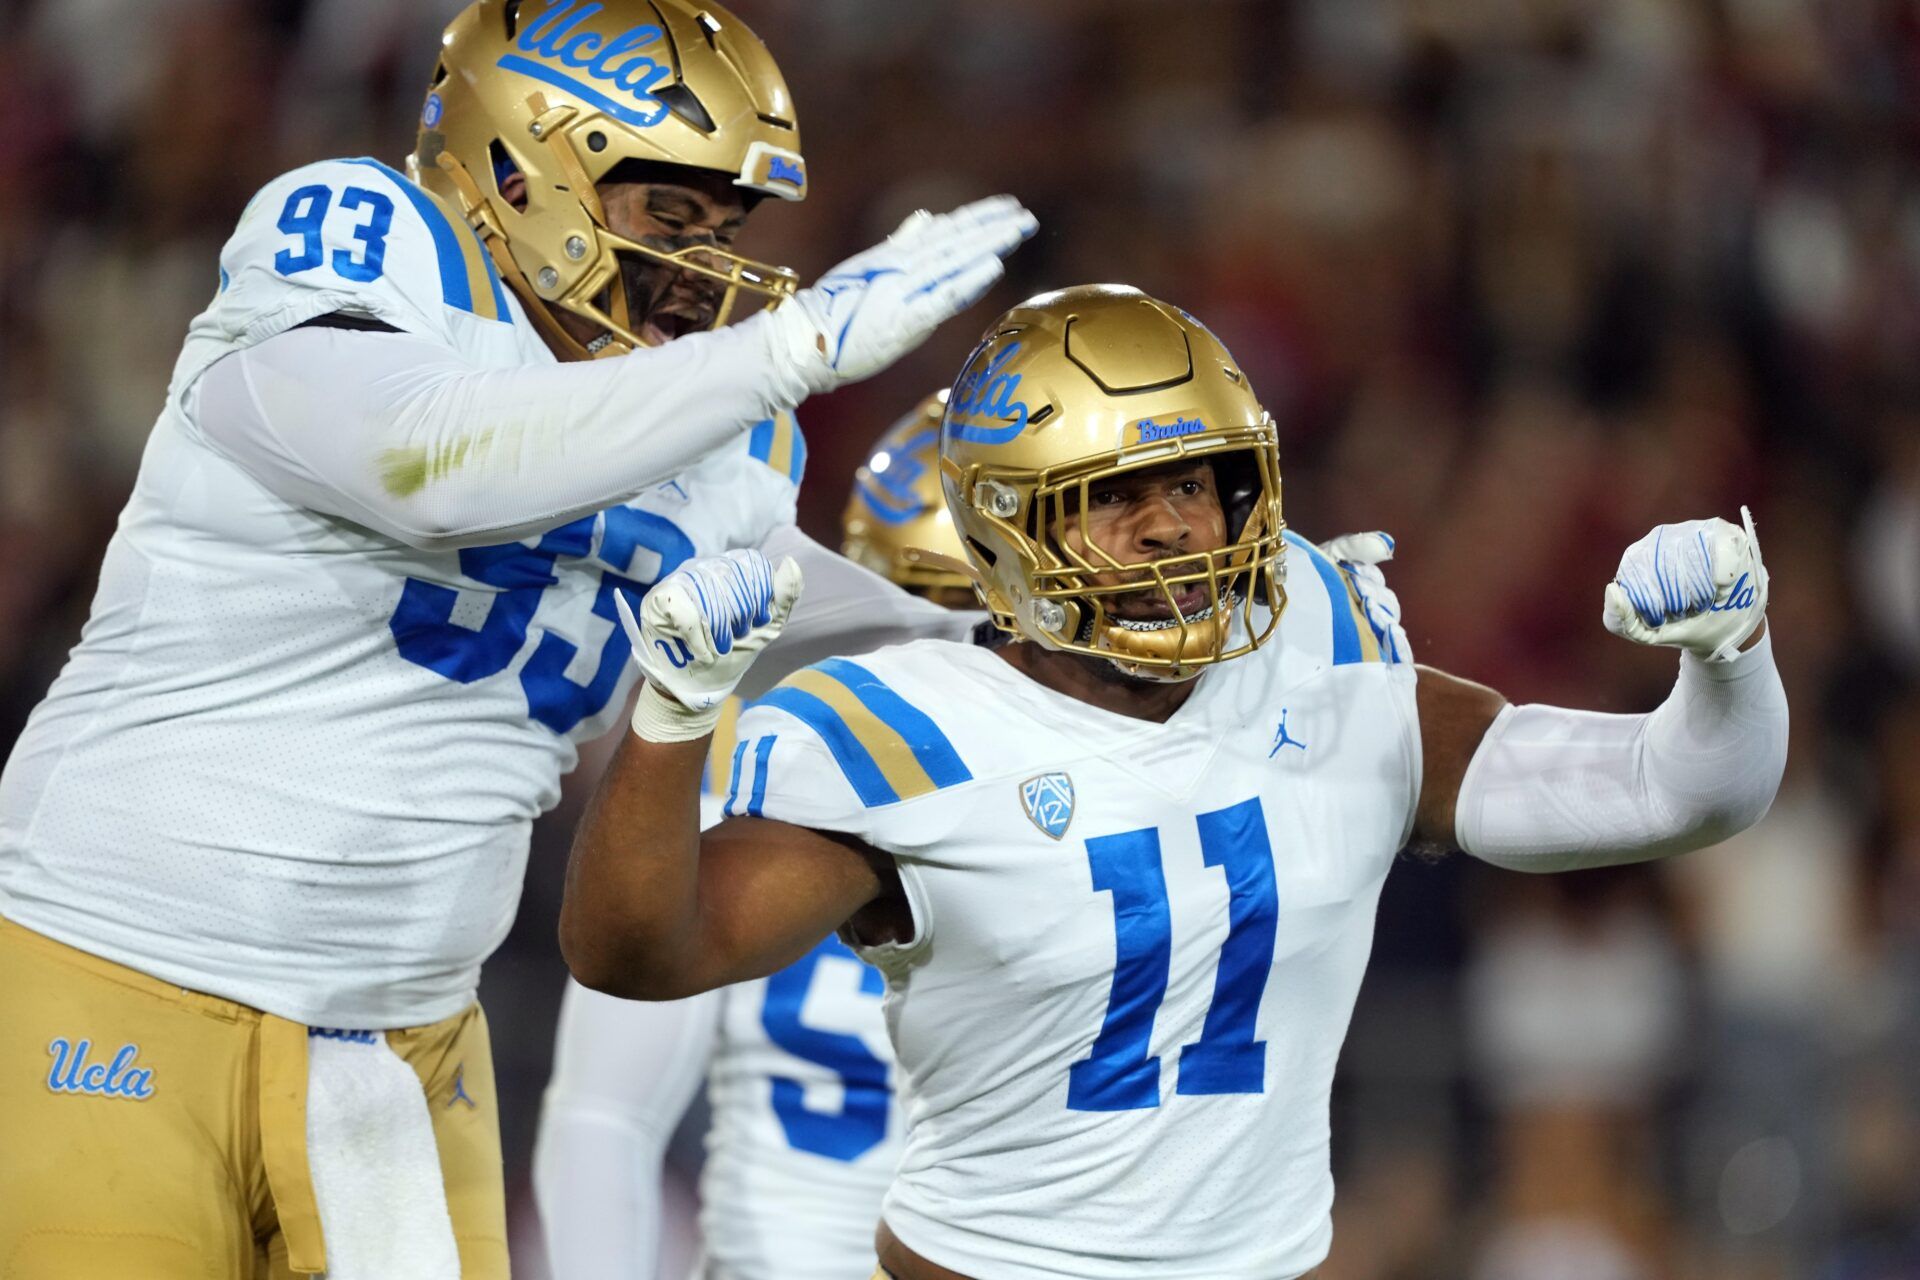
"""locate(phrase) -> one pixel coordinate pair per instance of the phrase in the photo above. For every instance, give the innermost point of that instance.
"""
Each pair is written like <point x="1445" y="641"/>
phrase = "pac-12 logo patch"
<point x="1049" y="802"/>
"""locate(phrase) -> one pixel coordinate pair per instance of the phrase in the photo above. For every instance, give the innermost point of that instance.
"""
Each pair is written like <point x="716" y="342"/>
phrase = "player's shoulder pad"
<point x="886" y="747"/>
<point x="355" y="235"/>
<point x="777" y="442"/>
<point x="1327" y="614"/>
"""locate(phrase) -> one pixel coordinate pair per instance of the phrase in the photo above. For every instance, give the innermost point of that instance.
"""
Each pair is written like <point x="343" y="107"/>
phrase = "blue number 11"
<point x="1117" y="1074"/>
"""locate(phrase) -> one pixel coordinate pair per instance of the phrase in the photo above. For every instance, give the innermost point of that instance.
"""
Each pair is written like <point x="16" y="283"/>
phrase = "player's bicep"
<point x="318" y="416"/>
<point x="1454" y="716"/>
<point x="770" y="891"/>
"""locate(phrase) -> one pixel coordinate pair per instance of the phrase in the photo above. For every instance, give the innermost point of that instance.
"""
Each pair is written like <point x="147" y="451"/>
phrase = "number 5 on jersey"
<point x="1117" y="1074"/>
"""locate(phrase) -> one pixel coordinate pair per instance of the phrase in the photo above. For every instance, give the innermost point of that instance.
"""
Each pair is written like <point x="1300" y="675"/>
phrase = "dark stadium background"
<point x="1519" y="278"/>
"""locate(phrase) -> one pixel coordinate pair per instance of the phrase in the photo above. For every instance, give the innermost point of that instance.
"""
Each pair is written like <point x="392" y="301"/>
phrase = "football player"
<point x="1120" y="874"/>
<point x="805" y="1132"/>
<point x="273" y="814"/>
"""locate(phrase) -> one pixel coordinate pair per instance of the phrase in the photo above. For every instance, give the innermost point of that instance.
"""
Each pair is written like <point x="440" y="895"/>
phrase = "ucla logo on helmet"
<point x="984" y="409"/>
<point x="887" y="486"/>
<point x="558" y="49"/>
<point x="1049" y="802"/>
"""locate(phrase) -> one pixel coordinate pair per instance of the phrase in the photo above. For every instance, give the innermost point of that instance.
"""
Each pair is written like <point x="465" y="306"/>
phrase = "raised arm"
<point x="398" y="433"/>
<point x="394" y="430"/>
<point x="653" y="912"/>
<point x="1540" y="788"/>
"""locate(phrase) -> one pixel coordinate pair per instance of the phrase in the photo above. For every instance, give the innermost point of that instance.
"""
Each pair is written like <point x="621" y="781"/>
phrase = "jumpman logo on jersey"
<point x="1282" y="739"/>
<point x="460" y="1093"/>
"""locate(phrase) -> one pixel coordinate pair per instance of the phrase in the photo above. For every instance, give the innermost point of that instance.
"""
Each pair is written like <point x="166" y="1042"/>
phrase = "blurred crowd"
<point x="1520" y="279"/>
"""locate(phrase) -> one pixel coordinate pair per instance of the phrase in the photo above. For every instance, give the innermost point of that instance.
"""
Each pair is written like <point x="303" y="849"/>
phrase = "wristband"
<point x="658" y="718"/>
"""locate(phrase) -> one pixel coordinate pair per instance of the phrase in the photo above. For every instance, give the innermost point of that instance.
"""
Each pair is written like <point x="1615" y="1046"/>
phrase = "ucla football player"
<point x="1121" y="873"/>
<point x="805" y="1131"/>
<point x="273" y="814"/>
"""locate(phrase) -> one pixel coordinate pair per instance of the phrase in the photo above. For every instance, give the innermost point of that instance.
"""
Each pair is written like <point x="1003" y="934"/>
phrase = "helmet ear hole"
<point x="505" y="167"/>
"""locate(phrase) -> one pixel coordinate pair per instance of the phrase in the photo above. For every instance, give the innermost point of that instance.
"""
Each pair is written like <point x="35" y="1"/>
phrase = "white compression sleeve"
<point x="624" y="1073"/>
<point x="1551" y="789"/>
<point x="397" y="433"/>
<point x="844" y="610"/>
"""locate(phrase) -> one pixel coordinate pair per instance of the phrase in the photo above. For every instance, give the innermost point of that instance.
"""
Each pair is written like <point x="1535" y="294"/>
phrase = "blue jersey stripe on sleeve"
<point x="1346" y="632"/>
<point x="760" y="440"/>
<point x="855" y="761"/>
<point x="797" y="468"/>
<point x="446" y="242"/>
<point x="733" y="784"/>
<point x="929" y="746"/>
<point x="762" y="751"/>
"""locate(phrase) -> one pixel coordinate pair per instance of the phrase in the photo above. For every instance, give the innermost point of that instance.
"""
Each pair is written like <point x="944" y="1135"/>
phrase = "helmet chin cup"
<point x="1168" y="655"/>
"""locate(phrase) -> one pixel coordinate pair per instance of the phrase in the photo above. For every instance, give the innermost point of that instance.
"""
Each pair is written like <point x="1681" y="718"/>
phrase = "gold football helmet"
<point x="562" y="91"/>
<point x="896" y="522"/>
<point x="1091" y="382"/>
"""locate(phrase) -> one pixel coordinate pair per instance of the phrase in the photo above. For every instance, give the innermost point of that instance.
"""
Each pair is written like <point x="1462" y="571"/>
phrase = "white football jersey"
<point x="806" y="1130"/>
<point x="805" y="1134"/>
<point x="293" y="762"/>
<point x="1137" y="946"/>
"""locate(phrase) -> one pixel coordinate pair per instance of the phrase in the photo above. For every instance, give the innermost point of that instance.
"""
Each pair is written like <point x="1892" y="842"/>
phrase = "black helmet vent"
<point x="682" y="103"/>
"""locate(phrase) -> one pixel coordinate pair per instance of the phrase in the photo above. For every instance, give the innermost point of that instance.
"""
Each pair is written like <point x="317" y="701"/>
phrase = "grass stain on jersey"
<point x="405" y="472"/>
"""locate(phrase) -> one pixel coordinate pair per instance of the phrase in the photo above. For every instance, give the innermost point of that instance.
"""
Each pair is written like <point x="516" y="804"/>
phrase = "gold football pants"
<point x="150" y="1131"/>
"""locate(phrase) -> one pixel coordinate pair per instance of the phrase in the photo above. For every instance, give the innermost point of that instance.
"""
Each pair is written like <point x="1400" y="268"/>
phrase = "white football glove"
<point x="1361" y="554"/>
<point x="878" y="305"/>
<point x="1698" y="585"/>
<point x="699" y="630"/>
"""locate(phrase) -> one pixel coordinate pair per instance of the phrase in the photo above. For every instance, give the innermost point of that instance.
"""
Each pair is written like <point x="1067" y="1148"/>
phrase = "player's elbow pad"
<point x="1551" y="789"/>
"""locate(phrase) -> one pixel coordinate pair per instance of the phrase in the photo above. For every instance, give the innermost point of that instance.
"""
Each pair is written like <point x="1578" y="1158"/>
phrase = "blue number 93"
<point x="304" y="216"/>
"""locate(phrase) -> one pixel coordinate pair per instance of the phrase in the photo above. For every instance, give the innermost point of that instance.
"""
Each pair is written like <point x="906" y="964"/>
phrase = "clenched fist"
<point x="699" y="630"/>
<point x="1698" y="585"/>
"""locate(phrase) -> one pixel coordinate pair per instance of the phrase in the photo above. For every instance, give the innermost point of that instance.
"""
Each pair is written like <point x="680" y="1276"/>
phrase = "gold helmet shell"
<point x="565" y="90"/>
<point x="1090" y="382"/>
<point x="896" y="522"/>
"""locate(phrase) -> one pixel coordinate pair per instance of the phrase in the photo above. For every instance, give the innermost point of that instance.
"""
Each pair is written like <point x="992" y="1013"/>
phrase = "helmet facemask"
<point x="1068" y="606"/>
<point x="623" y="278"/>
<point x="565" y="93"/>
